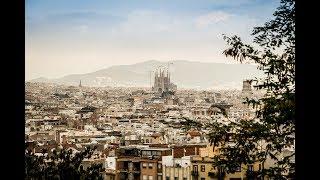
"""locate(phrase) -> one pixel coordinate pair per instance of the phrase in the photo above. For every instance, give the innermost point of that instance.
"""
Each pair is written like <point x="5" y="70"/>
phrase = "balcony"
<point x="194" y="173"/>
<point x="136" y="170"/>
<point x="134" y="167"/>
<point x="123" y="176"/>
<point x="123" y="170"/>
<point x="123" y="166"/>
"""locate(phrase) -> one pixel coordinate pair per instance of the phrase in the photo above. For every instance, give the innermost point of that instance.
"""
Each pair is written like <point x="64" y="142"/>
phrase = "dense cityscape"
<point x="137" y="132"/>
<point x="102" y="103"/>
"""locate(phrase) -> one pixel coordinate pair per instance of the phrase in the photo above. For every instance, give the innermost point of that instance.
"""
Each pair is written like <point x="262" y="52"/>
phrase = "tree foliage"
<point x="61" y="165"/>
<point x="188" y="124"/>
<point x="273" y="129"/>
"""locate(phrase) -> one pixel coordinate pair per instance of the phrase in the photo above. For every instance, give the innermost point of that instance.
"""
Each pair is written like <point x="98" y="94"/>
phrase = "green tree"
<point x="188" y="124"/>
<point x="61" y="165"/>
<point x="273" y="129"/>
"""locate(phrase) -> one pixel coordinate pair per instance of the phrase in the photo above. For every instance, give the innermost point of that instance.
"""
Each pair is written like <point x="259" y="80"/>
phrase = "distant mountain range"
<point x="185" y="74"/>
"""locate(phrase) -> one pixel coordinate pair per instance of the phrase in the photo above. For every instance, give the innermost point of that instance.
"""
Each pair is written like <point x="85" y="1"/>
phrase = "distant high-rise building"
<point x="246" y="88"/>
<point x="162" y="82"/>
<point x="80" y="84"/>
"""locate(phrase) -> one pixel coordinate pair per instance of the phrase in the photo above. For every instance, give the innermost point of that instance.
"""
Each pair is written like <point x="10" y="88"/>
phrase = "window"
<point x="167" y="178"/>
<point x="148" y="153"/>
<point x="203" y="168"/>
<point x="203" y="178"/>
<point x="144" y="165"/>
<point x="176" y="178"/>
<point x="185" y="178"/>
<point x="195" y="167"/>
<point x="159" y="166"/>
<point x="150" y="165"/>
<point x="143" y="153"/>
<point x="159" y="177"/>
<point x="145" y="177"/>
<point x="259" y="167"/>
<point x="156" y="153"/>
<point x="150" y="177"/>
<point x="250" y="167"/>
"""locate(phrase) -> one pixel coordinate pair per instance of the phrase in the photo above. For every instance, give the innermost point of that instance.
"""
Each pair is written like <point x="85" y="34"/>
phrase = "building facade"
<point x="140" y="163"/>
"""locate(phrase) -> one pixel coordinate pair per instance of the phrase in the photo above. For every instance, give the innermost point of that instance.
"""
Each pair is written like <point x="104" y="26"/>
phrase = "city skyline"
<point x="160" y="90"/>
<point x="204" y="76"/>
<point x="73" y="37"/>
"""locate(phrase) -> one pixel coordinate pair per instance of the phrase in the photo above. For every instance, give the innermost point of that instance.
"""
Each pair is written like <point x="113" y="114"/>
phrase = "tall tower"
<point x="162" y="82"/>
<point x="246" y="88"/>
<point x="80" y="84"/>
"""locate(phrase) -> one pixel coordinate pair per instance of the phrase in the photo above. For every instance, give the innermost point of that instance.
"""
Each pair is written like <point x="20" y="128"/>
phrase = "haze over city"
<point x="159" y="90"/>
<point x="74" y="37"/>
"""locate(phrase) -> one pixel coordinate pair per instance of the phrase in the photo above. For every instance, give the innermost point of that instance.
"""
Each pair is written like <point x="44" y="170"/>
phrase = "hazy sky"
<point x="80" y="36"/>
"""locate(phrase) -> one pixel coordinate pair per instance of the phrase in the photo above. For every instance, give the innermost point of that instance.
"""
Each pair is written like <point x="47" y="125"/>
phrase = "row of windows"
<point x="144" y="165"/>
<point x="150" y="165"/>
<point x="195" y="168"/>
<point x="250" y="167"/>
<point x="203" y="168"/>
<point x="176" y="178"/>
<point x="238" y="169"/>
<point x="150" y="153"/>
<point x="147" y="141"/>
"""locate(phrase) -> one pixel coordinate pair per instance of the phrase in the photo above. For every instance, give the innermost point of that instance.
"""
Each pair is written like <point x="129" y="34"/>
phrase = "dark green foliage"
<point x="273" y="129"/>
<point x="92" y="172"/>
<point x="61" y="165"/>
<point x="188" y="124"/>
<point x="247" y="142"/>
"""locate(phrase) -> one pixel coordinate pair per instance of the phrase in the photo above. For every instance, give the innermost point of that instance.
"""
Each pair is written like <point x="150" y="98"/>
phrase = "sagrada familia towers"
<point x="162" y="82"/>
<point x="246" y="88"/>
